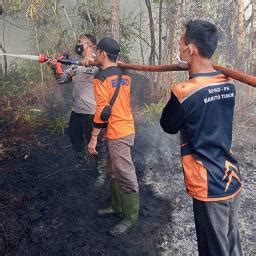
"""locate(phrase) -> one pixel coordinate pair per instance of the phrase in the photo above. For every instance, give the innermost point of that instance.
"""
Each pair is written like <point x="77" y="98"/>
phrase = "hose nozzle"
<point x="42" y="58"/>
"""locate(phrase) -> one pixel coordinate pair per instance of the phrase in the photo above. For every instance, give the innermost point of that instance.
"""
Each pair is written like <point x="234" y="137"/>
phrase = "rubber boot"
<point x="82" y="158"/>
<point x="115" y="206"/>
<point x="101" y="168"/>
<point x="81" y="155"/>
<point x="130" y="205"/>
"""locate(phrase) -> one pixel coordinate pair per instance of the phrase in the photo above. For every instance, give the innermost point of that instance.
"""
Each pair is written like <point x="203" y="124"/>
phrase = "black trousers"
<point x="80" y="129"/>
<point x="217" y="227"/>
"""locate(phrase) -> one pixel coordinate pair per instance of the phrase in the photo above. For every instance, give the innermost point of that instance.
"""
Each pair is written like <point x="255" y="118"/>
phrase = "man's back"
<point x="207" y="101"/>
<point x="202" y="109"/>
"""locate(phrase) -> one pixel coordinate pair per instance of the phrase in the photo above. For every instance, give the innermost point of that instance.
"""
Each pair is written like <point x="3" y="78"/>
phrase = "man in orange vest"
<point x="120" y="134"/>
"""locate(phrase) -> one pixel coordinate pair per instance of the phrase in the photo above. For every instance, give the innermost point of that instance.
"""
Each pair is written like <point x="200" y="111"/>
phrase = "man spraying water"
<point x="83" y="108"/>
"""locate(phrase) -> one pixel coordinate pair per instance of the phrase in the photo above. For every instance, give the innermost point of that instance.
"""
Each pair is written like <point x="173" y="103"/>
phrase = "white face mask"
<point x="182" y="63"/>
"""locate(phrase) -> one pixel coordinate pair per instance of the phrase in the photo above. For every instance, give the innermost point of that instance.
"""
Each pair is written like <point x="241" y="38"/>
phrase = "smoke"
<point x="155" y="153"/>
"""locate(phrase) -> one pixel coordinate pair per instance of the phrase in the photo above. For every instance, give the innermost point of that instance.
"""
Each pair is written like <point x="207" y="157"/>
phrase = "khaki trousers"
<point x="120" y="165"/>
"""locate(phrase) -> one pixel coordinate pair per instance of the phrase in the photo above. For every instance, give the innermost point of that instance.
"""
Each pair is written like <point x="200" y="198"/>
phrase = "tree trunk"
<point x="253" y="63"/>
<point x="2" y="47"/>
<point x="140" y="34"/>
<point x="152" y="33"/>
<point x="241" y="32"/>
<point x="160" y="32"/>
<point x="115" y="23"/>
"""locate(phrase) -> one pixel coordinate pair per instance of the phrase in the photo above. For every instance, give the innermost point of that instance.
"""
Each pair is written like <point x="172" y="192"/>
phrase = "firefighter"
<point x="83" y="107"/>
<point x="120" y="135"/>
<point x="202" y="109"/>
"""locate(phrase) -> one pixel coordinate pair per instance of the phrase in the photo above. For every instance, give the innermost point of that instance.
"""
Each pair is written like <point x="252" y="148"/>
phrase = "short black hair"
<point x="110" y="46"/>
<point x="90" y="37"/>
<point x="204" y="35"/>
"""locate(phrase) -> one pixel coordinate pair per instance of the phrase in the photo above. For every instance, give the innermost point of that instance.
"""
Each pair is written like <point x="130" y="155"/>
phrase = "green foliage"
<point x="58" y="124"/>
<point x="151" y="112"/>
<point x="21" y="88"/>
<point x="96" y="19"/>
<point x="36" y="118"/>
<point x="28" y="115"/>
<point x="21" y="78"/>
<point x="12" y="6"/>
<point x="25" y="113"/>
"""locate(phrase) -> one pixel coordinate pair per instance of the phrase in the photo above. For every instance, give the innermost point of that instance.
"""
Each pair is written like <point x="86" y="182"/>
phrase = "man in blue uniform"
<point x="202" y="108"/>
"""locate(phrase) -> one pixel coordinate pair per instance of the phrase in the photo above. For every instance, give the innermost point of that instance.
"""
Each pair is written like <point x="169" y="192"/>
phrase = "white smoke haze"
<point x="30" y="92"/>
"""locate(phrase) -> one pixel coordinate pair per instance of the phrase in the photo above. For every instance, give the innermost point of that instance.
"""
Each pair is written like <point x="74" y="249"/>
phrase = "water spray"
<point x="30" y="57"/>
<point x="42" y="58"/>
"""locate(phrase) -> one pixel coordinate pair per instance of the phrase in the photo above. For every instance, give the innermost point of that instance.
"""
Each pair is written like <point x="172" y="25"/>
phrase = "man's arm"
<point x="101" y="97"/>
<point x="61" y="76"/>
<point x="66" y="76"/>
<point x="173" y="115"/>
<point x="93" y="142"/>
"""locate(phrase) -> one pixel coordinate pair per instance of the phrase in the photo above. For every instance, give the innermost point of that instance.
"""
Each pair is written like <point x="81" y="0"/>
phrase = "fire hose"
<point x="234" y="74"/>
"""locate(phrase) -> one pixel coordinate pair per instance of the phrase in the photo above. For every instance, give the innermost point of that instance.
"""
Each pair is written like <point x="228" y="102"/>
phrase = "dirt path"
<point x="47" y="205"/>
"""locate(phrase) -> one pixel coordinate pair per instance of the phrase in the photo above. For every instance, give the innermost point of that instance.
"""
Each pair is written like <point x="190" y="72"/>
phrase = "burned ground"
<point x="48" y="205"/>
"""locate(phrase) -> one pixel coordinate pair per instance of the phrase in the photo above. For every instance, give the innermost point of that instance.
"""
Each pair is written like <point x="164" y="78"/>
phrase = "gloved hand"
<point x="52" y="63"/>
<point x="55" y="66"/>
